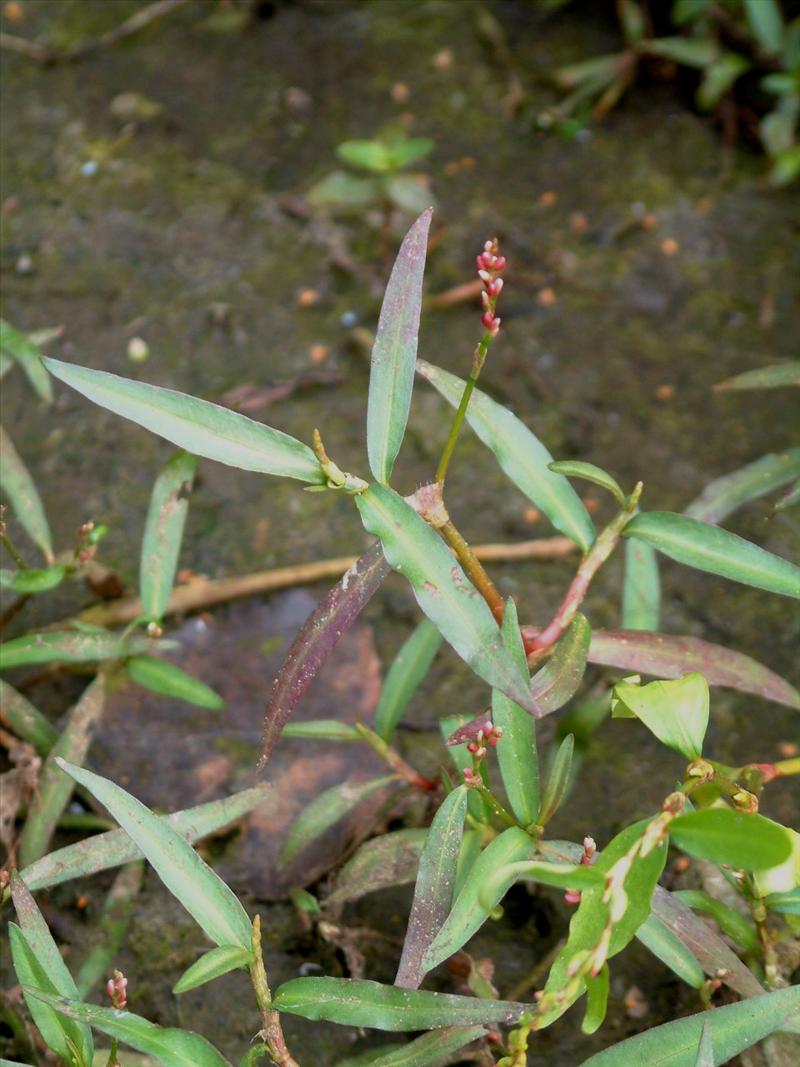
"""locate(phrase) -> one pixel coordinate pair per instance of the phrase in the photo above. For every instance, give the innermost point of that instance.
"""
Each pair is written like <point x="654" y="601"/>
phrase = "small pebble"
<point x="443" y="59"/>
<point x="665" y="392"/>
<point x="348" y="319"/>
<point x="25" y="264"/>
<point x="546" y="297"/>
<point x="548" y="199"/>
<point x="670" y="247"/>
<point x="787" y="749"/>
<point x="531" y="515"/>
<point x="89" y="168"/>
<point x="306" y="298"/>
<point x="138" y="350"/>
<point x="297" y="99"/>
<point x="400" y="92"/>
<point x="578" y="222"/>
<point x="318" y="353"/>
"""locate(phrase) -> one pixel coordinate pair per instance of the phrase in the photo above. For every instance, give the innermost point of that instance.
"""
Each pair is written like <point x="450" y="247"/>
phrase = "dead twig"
<point x="43" y="53"/>
<point x="206" y="592"/>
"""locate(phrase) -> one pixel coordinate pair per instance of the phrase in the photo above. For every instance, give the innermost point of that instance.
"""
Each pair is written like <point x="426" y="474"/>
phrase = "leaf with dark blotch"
<point x="431" y="1049"/>
<point x="707" y="947"/>
<point x="433" y="895"/>
<point x="163" y="533"/>
<point x="54" y="788"/>
<point x="734" y="1028"/>
<point x="716" y="551"/>
<point x="355" y="1002"/>
<point x="668" y="656"/>
<point x="558" y="680"/>
<point x="112" y="849"/>
<point x="442" y="589"/>
<point x="775" y="376"/>
<point x="394" y="353"/>
<point x="381" y="862"/>
<point x="724" y="495"/>
<point x="318" y="636"/>
<point x="20" y="490"/>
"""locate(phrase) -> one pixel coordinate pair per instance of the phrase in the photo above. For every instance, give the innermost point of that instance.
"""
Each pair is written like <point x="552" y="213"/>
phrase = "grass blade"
<point x="198" y="426"/>
<point x="517" y="756"/>
<point x="407" y="671"/>
<point x="20" y="490"/>
<point x="163" y="533"/>
<point x="724" y="495"/>
<point x="641" y="589"/>
<point x="521" y="455"/>
<point x="394" y="353"/>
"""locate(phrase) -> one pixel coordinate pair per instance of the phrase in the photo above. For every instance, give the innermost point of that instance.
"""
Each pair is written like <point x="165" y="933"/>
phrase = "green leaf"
<point x="394" y="353"/>
<point x="407" y="671"/>
<point x="442" y="589"/>
<point x="676" y="712"/>
<point x="196" y="425"/>
<point x="389" y="860"/>
<point x="736" y="838"/>
<point x="404" y="153"/>
<point x="342" y="190"/>
<point x="217" y="962"/>
<point x="558" y="781"/>
<point x="560" y="875"/>
<point x="668" y="947"/>
<point x="433" y="895"/>
<point x="20" y="491"/>
<point x="596" y="1001"/>
<point x="161" y="676"/>
<point x="784" y="903"/>
<point x="355" y="1002"/>
<point x="368" y="155"/>
<point x="517" y="756"/>
<point x="718" y="78"/>
<point x="432" y="1049"/>
<point x="727" y="918"/>
<point x="520" y="454"/>
<point x="33" y="580"/>
<point x="593" y="912"/>
<point x="322" y="730"/>
<point x="201" y="892"/>
<point x="775" y="376"/>
<point x="689" y="51"/>
<point x="705" y="1050"/>
<point x="115" y="848"/>
<point x="54" y="790"/>
<point x="471" y="908"/>
<point x="708" y="548"/>
<point x="408" y="192"/>
<point x="558" y="681"/>
<point x="766" y="21"/>
<point x="724" y="495"/>
<point x="790" y="499"/>
<point x="575" y="468"/>
<point x="22" y="350"/>
<point x="325" y="810"/>
<point x="163" y="533"/>
<point x="59" y="1034"/>
<point x="68" y="646"/>
<point x="641" y="590"/>
<point x="734" y="1028"/>
<point x="25" y="720"/>
<point x="169" y="1046"/>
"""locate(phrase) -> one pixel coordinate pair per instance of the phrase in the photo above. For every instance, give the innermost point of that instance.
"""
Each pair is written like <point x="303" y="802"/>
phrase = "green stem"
<point x="395" y="760"/>
<point x="496" y="806"/>
<point x="20" y="562"/>
<point x="478" y="360"/>
<point x="272" y="1034"/>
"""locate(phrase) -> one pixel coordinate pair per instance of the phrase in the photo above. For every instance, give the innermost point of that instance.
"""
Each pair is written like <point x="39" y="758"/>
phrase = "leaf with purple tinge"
<point x="318" y="637"/>
<point x="557" y="681"/>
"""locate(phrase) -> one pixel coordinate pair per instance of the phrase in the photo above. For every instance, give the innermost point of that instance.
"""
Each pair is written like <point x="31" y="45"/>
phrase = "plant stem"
<point x="600" y="551"/>
<point x="272" y="1032"/>
<point x="20" y="562"/>
<point x="478" y="360"/>
<point x="473" y="568"/>
<point x="395" y="760"/>
<point x="495" y="805"/>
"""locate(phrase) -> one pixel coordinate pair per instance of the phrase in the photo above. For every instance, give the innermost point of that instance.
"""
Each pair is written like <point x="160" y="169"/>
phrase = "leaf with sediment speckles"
<point x="558" y="680"/>
<point x="517" y="756"/>
<point x="163" y="533"/>
<point x="69" y="646"/>
<point x="20" y="489"/>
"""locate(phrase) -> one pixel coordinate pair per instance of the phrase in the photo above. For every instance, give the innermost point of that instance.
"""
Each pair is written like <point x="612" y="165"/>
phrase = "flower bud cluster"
<point x="490" y="265"/>
<point x="573" y="896"/>
<point x="488" y="735"/>
<point x="117" y="989"/>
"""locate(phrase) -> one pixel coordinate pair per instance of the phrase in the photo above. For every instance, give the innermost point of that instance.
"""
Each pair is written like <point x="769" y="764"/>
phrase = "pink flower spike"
<point x="485" y="276"/>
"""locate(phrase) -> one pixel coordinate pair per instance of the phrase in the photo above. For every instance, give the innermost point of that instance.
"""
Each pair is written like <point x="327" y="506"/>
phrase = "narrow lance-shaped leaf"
<point x="212" y="965"/>
<point x="161" y="676"/>
<point x="724" y="495"/>
<point x="407" y="671"/>
<point x="558" y="781"/>
<point x="668" y="656"/>
<point x="389" y="860"/>
<point x="433" y="895"/>
<point x="115" y="847"/>
<point x="26" y="721"/>
<point x="33" y="580"/>
<point x="775" y="376"/>
<point x="705" y="1050"/>
<point x="596" y="1001"/>
<point x="431" y="1049"/>
<point x="766" y="22"/>
<point x="676" y="712"/>
<point x="442" y="589"/>
<point x="323" y="730"/>
<point x="70" y="646"/>
<point x="666" y="946"/>
<point x="738" y="839"/>
<point x="517" y="756"/>
<point x="394" y="353"/>
<point x="198" y="426"/>
<point x="730" y="922"/>
<point x="55" y="788"/>
<point x="733" y="1028"/>
<point x="325" y="810"/>
<point x="560" y="875"/>
<point x="790" y="499"/>
<point x="163" y="533"/>
<point x="20" y="490"/>
<point x="521" y="455"/>
<point x="200" y="890"/>
<point x="558" y="681"/>
<point x="168" y="1046"/>
<point x="22" y="349"/>
<point x="708" y="548"/>
<point x="576" y="468"/>
<point x="356" y="1002"/>
<point x="318" y="636"/>
<point x="471" y="908"/>
<point x="641" y="589"/>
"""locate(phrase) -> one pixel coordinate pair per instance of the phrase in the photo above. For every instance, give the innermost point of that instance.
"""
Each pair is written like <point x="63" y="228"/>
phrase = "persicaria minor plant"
<point x="494" y="805"/>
